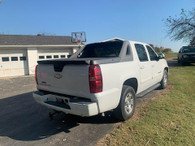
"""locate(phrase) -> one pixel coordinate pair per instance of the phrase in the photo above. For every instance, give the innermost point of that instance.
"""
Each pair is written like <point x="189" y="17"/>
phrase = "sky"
<point x="139" y="20"/>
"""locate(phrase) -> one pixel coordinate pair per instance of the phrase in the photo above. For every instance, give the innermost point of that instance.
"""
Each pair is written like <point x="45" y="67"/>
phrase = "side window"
<point x="141" y="52"/>
<point x="180" y="50"/>
<point x="152" y="54"/>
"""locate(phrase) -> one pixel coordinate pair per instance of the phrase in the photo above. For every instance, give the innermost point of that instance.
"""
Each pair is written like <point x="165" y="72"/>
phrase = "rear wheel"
<point x="164" y="81"/>
<point x="126" y="107"/>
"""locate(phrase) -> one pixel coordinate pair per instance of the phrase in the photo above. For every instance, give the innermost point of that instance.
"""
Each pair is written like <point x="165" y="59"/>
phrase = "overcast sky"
<point x="140" y="20"/>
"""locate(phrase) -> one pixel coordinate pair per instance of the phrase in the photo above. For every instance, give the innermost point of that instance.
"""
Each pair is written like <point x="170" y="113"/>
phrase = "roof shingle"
<point x="35" y="40"/>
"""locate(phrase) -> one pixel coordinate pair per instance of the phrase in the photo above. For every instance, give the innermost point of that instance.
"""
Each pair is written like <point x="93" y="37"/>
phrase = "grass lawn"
<point x="170" y="55"/>
<point x="167" y="120"/>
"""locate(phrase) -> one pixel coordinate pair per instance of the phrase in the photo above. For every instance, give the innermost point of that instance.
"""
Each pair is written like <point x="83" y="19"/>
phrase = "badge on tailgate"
<point x="58" y="76"/>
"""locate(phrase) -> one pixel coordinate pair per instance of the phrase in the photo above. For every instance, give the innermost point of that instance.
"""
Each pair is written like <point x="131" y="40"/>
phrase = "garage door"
<point x="13" y="63"/>
<point x="53" y="53"/>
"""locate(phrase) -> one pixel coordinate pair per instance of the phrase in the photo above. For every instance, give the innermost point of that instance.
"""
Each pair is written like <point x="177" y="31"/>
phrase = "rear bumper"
<point x="66" y="105"/>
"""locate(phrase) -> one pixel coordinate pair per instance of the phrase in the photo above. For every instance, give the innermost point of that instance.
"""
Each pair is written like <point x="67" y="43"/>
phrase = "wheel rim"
<point x="165" y="80"/>
<point x="129" y="103"/>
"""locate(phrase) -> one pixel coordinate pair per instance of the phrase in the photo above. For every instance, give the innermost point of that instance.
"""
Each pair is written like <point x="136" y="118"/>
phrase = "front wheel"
<point x="164" y="81"/>
<point x="178" y="61"/>
<point x="126" y="107"/>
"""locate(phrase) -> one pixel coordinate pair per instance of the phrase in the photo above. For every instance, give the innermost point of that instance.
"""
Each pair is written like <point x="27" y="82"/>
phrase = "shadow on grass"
<point x="174" y="63"/>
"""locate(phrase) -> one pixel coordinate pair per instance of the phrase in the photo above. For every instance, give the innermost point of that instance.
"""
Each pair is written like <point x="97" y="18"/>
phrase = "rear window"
<point x="98" y="50"/>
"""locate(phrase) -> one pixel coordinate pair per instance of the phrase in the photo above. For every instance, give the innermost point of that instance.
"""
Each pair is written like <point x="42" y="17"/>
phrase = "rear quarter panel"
<point x="114" y="76"/>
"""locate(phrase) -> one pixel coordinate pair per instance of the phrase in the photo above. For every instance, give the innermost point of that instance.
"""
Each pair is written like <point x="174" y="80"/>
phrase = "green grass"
<point x="167" y="120"/>
<point x="170" y="55"/>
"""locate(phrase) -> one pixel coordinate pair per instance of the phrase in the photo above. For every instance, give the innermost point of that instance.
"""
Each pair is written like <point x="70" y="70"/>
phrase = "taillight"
<point x="36" y="74"/>
<point x="95" y="79"/>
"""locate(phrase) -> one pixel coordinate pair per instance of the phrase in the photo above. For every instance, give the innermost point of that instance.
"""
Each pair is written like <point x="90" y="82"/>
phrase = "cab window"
<point x="152" y="54"/>
<point x="141" y="52"/>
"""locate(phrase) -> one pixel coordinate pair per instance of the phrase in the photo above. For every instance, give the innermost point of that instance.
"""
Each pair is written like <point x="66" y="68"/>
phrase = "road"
<point x="24" y="122"/>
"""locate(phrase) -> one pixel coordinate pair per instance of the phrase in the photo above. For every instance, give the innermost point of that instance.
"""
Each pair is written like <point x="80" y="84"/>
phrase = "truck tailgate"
<point x="69" y="79"/>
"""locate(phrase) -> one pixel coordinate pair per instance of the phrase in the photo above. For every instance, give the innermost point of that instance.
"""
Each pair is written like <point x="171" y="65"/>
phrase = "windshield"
<point x="99" y="50"/>
<point x="189" y="49"/>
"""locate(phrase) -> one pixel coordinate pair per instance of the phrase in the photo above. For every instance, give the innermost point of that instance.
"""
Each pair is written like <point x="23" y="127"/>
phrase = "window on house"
<point x="63" y="56"/>
<point x="69" y="56"/>
<point x="41" y="57"/>
<point x="141" y="52"/>
<point x="55" y="56"/>
<point x="14" y="58"/>
<point x="4" y="59"/>
<point x="23" y="58"/>
<point x="48" y="57"/>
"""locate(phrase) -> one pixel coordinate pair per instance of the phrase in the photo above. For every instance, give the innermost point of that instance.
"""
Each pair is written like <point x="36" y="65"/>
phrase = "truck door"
<point x="145" y="67"/>
<point x="156" y="66"/>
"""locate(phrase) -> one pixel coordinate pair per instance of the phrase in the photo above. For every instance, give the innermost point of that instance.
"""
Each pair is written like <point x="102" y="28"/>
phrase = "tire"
<point x="178" y="61"/>
<point x="183" y="63"/>
<point x="126" y="107"/>
<point x="164" y="81"/>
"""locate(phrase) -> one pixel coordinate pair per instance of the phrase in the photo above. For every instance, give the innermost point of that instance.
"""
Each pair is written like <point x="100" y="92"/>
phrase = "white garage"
<point x="13" y="62"/>
<point x="54" y="53"/>
<point x="19" y="53"/>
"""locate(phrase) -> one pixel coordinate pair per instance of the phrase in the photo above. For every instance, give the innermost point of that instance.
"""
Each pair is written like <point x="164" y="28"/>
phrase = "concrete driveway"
<point x="24" y="122"/>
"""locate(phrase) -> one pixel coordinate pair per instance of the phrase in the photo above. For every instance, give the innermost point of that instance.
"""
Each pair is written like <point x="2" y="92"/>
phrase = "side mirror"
<point x="161" y="56"/>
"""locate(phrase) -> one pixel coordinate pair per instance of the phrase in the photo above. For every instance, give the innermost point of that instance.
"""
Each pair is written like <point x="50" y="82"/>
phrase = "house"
<point x="19" y="53"/>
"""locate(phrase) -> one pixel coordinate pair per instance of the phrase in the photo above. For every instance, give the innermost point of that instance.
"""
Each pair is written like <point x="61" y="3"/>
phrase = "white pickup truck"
<point x="104" y="76"/>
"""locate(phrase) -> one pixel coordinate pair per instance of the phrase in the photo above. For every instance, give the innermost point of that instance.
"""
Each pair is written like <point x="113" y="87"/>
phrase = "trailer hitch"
<point x="52" y="114"/>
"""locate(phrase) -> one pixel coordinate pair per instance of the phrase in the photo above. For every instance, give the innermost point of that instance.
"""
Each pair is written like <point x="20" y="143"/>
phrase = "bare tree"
<point x="182" y="27"/>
